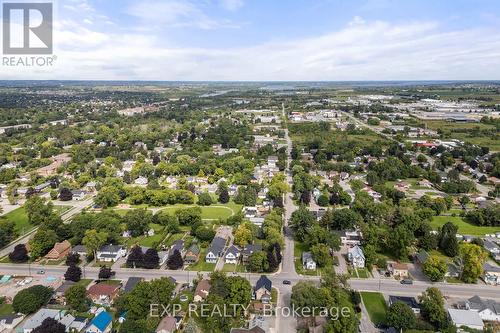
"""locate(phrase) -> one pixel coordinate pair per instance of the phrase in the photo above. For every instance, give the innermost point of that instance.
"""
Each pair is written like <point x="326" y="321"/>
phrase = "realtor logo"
<point x="27" y="28"/>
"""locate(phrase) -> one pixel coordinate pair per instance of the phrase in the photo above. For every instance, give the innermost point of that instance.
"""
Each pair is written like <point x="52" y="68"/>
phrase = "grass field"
<point x="464" y="228"/>
<point x="376" y="306"/>
<point x="6" y="309"/>
<point x="19" y="217"/>
<point x="213" y="212"/>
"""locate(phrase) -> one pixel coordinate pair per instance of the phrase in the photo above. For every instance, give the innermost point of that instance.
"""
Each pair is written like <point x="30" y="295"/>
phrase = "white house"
<point x="465" y="318"/>
<point x="487" y="309"/>
<point x="232" y="255"/>
<point x="111" y="253"/>
<point x="141" y="181"/>
<point x="78" y="195"/>
<point x="350" y="237"/>
<point x="356" y="257"/>
<point x="307" y="261"/>
<point x="215" y="250"/>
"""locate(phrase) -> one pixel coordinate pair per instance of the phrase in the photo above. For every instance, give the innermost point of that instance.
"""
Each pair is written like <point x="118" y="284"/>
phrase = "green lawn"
<point x="213" y="212"/>
<point x="19" y="217"/>
<point x="464" y="228"/>
<point x="376" y="306"/>
<point x="363" y="273"/>
<point x="172" y="238"/>
<point x="6" y="309"/>
<point x="84" y="282"/>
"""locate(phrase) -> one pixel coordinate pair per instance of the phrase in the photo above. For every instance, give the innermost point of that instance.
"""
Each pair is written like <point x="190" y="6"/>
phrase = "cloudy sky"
<point x="272" y="40"/>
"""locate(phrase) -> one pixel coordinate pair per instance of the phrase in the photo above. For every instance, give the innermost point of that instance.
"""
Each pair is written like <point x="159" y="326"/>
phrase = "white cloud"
<point x="232" y="5"/>
<point x="174" y="13"/>
<point x="362" y="51"/>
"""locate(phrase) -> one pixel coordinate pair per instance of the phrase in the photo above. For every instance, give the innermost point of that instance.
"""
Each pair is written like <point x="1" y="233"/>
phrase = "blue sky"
<point x="273" y="40"/>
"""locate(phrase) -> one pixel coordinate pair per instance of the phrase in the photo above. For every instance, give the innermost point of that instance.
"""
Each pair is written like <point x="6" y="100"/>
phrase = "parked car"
<point x="287" y="282"/>
<point x="41" y="271"/>
<point x="407" y="281"/>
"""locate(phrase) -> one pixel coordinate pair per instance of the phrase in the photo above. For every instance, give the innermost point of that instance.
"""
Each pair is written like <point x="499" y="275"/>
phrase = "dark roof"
<point x="233" y="249"/>
<point x="110" y="248"/>
<point x="79" y="249"/>
<point x="65" y="286"/>
<point x="131" y="282"/>
<point x="217" y="245"/>
<point x="263" y="281"/>
<point x="422" y="256"/>
<point x="9" y="318"/>
<point x="251" y="248"/>
<point x="195" y="249"/>
<point x="480" y="304"/>
<point x="410" y="301"/>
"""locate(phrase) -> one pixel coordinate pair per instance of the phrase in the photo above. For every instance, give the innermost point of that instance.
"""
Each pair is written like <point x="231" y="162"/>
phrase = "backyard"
<point x="376" y="306"/>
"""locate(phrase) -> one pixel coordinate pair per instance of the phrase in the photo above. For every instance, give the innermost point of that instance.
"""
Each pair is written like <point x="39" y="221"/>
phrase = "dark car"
<point x="287" y="282"/>
<point x="407" y="281"/>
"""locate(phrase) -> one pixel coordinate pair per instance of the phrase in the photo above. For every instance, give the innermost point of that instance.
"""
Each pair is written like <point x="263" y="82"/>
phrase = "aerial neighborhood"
<point x="120" y="201"/>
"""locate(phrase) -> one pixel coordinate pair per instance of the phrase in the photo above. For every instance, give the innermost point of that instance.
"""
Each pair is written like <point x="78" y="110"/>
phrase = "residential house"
<point x="192" y="254"/>
<point x="232" y="255"/>
<point x="168" y="324"/>
<point x="398" y="269"/>
<point x="111" y="253"/>
<point x="131" y="283"/>
<point x="202" y="290"/>
<point x="102" y="323"/>
<point x="491" y="273"/>
<point x="350" y="237"/>
<point x="59" y="315"/>
<point x="142" y="181"/>
<point x="258" y="324"/>
<point x="356" y="256"/>
<point x="249" y="250"/>
<point x="103" y="293"/>
<point x="59" y="251"/>
<point x="215" y="250"/>
<point x="81" y="250"/>
<point x="421" y="257"/>
<point x="9" y="321"/>
<point x="453" y="271"/>
<point x="177" y="245"/>
<point x="465" y="318"/>
<point x="307" y="261"/>
<point x="59" y="292"/>
<point x="262" y="290"/>
<point x="491" y="247"/>
<point x="78" y="195"/>
<point x="487" y="309"/>
<point x="410" y="301"/>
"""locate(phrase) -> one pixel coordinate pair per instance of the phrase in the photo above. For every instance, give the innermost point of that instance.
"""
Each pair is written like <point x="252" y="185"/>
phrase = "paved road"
<point x="77" y="207"/>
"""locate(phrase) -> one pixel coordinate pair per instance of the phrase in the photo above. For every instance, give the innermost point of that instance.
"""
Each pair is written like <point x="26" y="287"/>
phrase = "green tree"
<point x="321" y="254"/>
<point x="433" y="310"/>
<point x="31" y="299"/>
<point x="401" y="316"/>
<point x="76" y="298"/>
<point x="473" y="257"/>
<point x="138" y="221"/>
<point x="108" y="196"/>
<point x="435" y="268"/>
<point x="258" y="262"/>
<point x="42" y="242"/>
<point x="301" y="220"/>
<point x="93" y="240"/>
<point x="204" y="199"/>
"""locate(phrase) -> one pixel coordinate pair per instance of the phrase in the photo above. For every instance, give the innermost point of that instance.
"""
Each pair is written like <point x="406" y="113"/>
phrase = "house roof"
<point x="102" y="320"/>
<point x="251" y="248"/>
<point x="217" y="245"/>
<point x="194" y="249"/>
<point x="79" y="249"/>
<point x="410" y="301"/>
<point x="399" y="266"/>
<point x="110" y="248"/>
<point x="465" y="318"/>
<point x="62" y="246"/>
<point x="490" y="246"/>
<point x="422" y="256"/>
<point x="307" y="256"/>
<point x="167" y="324"/>
<point x="64" y="286"/>
<point x="263" y="282"/>
<point x="487" y="267"/>
<point x="131" y="283"/>
<point x="202" y="285"/>
<point x="481" y="304"/>
<point x="356" y="251"/>
<point x="234" y="250"/>
<point x="100" y="289"/>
